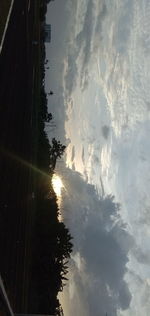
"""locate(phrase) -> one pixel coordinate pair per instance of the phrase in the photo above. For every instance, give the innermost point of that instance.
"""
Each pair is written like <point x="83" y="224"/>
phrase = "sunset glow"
<point x="57" y="185"/>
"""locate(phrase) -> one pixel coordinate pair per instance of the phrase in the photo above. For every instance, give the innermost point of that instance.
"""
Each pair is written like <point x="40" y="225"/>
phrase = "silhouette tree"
<point x="49" y="117"/>
<point x="56" y="149"/>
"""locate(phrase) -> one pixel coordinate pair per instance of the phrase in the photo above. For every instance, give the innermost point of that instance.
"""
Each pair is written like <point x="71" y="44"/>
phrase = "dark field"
<point x="34" y="246"/>
<point x="19" y="67"/>
<point x="4" y="9"/>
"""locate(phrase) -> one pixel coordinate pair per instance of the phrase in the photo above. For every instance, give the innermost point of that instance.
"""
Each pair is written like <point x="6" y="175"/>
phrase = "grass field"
<point x="4" y="9"/>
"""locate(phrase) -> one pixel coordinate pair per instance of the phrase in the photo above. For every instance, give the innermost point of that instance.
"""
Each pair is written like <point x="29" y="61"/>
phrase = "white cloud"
<point x="106" y="83"/>
<point x="83" y="42"/>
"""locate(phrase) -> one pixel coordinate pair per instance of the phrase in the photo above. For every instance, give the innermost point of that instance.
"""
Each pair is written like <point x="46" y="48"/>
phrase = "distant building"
<point x="47" y="33"/>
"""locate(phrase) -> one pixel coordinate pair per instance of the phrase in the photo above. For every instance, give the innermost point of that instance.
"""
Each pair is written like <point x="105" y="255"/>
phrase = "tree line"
<point x="52" y="241"/>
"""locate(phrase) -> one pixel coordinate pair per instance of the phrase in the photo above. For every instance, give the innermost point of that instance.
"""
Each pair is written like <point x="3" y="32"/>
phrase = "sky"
<point x="99" y="60"/>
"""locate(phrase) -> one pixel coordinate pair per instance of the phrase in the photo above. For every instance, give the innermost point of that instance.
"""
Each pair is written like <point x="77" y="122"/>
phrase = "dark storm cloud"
<point x="102" y="241"/>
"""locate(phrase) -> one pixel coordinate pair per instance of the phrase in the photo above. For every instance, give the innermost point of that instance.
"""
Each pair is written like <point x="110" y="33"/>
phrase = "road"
<point x="17" y="72"/>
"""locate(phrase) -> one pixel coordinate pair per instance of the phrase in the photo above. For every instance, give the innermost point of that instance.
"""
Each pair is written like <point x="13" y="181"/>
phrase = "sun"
<point x="57" y="184"/>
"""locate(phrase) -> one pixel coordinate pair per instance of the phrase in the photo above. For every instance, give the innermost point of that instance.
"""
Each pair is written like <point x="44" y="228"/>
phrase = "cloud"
<point x="123" y="30"/>
<point x="142" y="256"/>
<point x="83" y="156"/>
<point x="88" y="38"/>
<point x="105" y="131"/>
<point x="116" y="41"/>
<point x="73" y="154"/>
<point x="102" y="244"/>
<point x="140" y="303"/>
<point x="84" y="38"/>
<point x="84" y="44"/>
<point x="95" y="159"/>
<point x="100" y="18"/>
<point x="71" y="73"/>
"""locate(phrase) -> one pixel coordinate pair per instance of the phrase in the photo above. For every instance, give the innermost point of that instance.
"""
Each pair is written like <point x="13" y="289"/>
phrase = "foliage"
<point x="52" y="240"/>
<point x="56" y="149"/>
<point x="51" y="254"/>
<point x="49" y="117"/>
